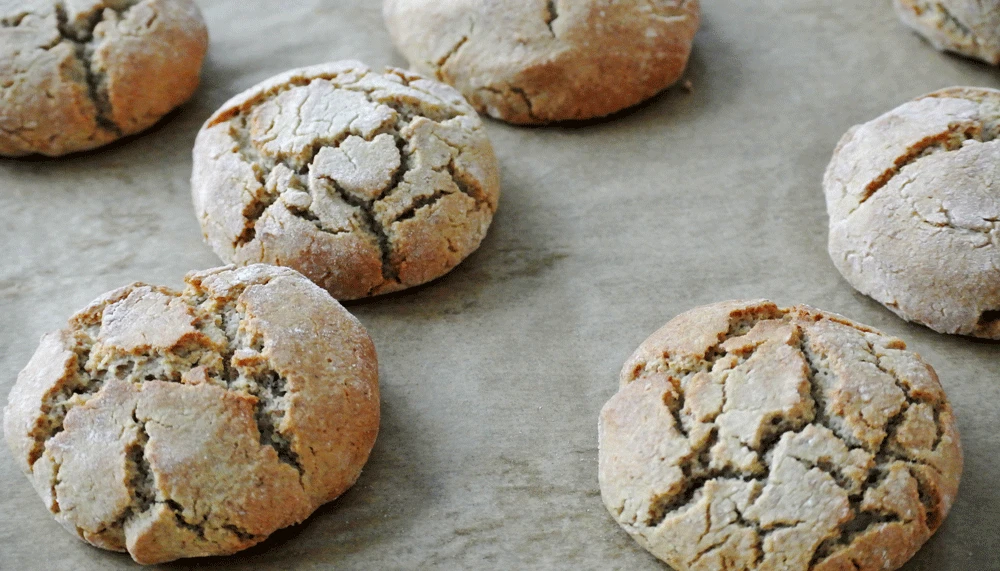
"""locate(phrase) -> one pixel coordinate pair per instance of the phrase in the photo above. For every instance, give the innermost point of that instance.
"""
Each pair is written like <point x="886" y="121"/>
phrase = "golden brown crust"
<point x="915" y="210"/>
<point x="539" y="61"/>
<point x="80" y="75"/>
<point x="365" y="182"/>
<point x="197" y="423"/>
<point x="747" y="436"/>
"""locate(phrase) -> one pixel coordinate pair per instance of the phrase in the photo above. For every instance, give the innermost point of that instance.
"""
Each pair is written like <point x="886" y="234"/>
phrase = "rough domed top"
<point x="366" y="182"/>
<point x="183" y="424"/>
<point x="749" y="437"/>
<point x="914" y="204"/>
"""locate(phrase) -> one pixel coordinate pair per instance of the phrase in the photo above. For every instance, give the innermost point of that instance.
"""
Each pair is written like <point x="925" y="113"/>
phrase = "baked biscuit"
<point x="196" y="423"/>
<point x="75" y="75"/>
<point x="539" y="61"/>
<point x="967" y="27"/>
<point x="914" y="204"/>
<point x="748" y="437"/>
<point x="366" y="182"/>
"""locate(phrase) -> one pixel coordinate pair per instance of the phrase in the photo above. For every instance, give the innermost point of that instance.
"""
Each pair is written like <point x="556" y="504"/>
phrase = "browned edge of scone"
<point x="539" y="63"/>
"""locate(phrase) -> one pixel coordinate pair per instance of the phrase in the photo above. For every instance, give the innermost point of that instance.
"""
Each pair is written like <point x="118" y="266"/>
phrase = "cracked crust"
<point x="365" y="182"/>
<point x="78" y="74"/>
<point x="539" y="61"/>
<point x="915" y="210"/>
<point x="967" y="27"/>
<point x="184" y="424"/>
<point x="745" y="436"/>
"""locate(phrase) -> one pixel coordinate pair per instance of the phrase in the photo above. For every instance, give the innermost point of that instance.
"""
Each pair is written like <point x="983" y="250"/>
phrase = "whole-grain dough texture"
<point x="967" y="27"/>
<point x="914" y="204"/>
<point x="366" y="182"/>
<point x="539" y="61"/>
<point x="748" y="437"/>
<point x="196" y="423"/>
<point x="78" y="74"/>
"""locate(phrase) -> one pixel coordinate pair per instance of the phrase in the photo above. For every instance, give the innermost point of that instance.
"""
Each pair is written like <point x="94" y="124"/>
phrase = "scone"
<point x="184" y="424"/>
<point x="967" y="27"/>
<point x="539" y="61"/>
<point x="749" y="437"/>
<point x="366" y="182"/>
<point x="77" y="75"/>
<point x="914" y="204"/>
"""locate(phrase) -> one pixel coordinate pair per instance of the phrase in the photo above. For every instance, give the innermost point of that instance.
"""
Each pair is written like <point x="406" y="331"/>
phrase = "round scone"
<point x="749" y="437"/>
<point x="184" y="424"/>
<point x="366" y="182"/>
<point x="914" y="204"/>
<point x="539" y="61"/>
<point x="967" y="27"/>
<point x="78" y="75"/>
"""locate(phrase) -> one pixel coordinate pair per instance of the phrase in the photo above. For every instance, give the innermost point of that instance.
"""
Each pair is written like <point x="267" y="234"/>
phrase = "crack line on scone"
<point x="178" y="511"/>
<point x="56" y="406"/>
<point x="861" y="523"/>
<point x="738" y="326"/>
<point x="371" y="222"/>
<point x="268" y="386"/>
<point x="527" y="101"/>
<point x="273" y="389"/>
<point x="896" y="420"/>
<point x="820" y="415"/>
<point x="420" y="203"/>
<point x="296" y="82"/>
<point x="14" y="20"/>
<point x="552" y="13"/>
<point x="957" y="24"/>
<point x="84" y="43"/>
<point x="928" y="500"/>
<point x="140" y="482"/>
<point x="949" y="141"/>
<point x="689" y="496"/>
<point x="258" y="206"/>
<point x="474" y="191"/>
<point x="441" y="62"/>
<point x="949" y="223"/>
<point x="240" y="533"/>
<point x="704" y="552"/>
<point x="861" y="520"/>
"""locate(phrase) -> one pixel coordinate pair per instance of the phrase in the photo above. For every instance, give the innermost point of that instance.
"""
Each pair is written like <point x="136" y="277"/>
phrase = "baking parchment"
<point x="492" y="377"/>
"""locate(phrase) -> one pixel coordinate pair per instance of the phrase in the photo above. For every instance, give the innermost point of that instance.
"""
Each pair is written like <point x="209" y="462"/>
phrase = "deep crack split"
<point x="368" y="218"/>
<point x="551" y="15"/>
<point x="438" y="71"/>
<point x="84" y="44"/>
<point x="951" y="140"/>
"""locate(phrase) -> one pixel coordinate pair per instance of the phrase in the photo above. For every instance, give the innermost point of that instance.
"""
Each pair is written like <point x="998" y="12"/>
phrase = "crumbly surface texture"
<point x="540" y="61"/>
<point x="78" y="74"/>
<point x="366" y="182"/>
<point x="749" y="437"/>
<point x="967" y="27"/>
<point x="184" y="424"/>
<point x="914" y="204"/>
